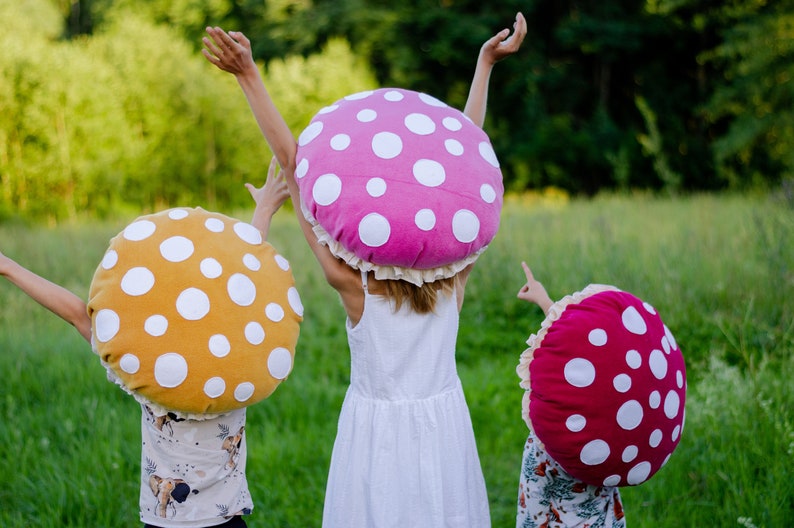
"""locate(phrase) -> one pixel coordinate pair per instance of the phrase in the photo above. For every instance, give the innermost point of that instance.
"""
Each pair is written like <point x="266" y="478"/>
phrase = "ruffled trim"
<point x="555" y="312"/>
<point x="381" y="272"/>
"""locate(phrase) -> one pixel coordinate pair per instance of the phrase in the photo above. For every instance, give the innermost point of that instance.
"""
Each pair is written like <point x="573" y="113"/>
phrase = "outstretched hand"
<point x="269" y="197"/>
<point x="533" y="291"/>
<point x="503" y="43"/>
<point x="231" y="52"/>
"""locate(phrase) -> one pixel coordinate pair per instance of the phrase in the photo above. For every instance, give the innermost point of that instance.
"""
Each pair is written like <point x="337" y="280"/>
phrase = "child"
<point x="606" y="385"/>
<point x="169" y="496"/>
<point x="405" y="453"/>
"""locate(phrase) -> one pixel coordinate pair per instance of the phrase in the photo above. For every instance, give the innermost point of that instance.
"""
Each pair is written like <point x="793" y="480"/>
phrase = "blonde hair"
<point x="421" y="299"/>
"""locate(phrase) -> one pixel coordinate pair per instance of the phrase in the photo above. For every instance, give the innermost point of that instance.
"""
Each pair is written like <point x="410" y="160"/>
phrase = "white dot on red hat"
<point x="386" y="145"/>
<point x="633" y="359"/>
<point x="429" y="173"/>
<point x="629" y="415"/>
<point x="310" y="133"/>
<point x="374" y="230"/>
<point x="487" y="193"/>
<point x="639" y="473"/>
<point x="575" y="423"/>
<point x="452" y="124"/>
<point x="376" y="187"/>
<point x="465" y="226"/>
<point x="326" y="189"/>
<point x="420" y="124"/>
<point x="487" y="153"/>
<point x="425" y="219"/>
<point x="672" y="404"/>
<point x="454" y="147"/>
<point x="302" y="168"/>
<point x="629" y="453"/>
<point x="658" y="364"/>
<point x="622" y="382"/>
<point x="594" y="452"/>
<point x="579" y="372"/>
<point x="367" y="115"/>
<point x="597" y="337"/>
<point x="340" y="142"/>
<point x="633" y="321"/>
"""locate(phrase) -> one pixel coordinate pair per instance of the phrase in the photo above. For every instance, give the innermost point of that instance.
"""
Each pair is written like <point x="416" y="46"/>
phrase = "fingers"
<point x="527" y="272"/>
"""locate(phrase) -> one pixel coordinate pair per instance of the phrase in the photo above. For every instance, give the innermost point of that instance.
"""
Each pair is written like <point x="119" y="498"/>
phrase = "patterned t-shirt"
<point x="193" y="471"/>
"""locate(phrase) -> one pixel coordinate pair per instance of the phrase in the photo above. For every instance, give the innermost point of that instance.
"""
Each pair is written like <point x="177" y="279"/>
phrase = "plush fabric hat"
<point x="398" y="182"/>
<point x="194" y="313"/>
<point x="606" y="386"/>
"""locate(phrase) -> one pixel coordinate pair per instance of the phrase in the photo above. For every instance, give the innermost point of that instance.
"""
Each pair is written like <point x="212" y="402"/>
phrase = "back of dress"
<point x="405" y="453"/>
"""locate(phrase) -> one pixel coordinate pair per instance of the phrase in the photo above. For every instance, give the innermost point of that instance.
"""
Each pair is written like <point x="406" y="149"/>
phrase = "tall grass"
<point x="718" y="269"/>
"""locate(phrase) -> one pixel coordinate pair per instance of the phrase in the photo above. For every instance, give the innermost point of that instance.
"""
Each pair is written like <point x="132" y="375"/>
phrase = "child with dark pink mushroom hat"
<point x="605" y="388"/>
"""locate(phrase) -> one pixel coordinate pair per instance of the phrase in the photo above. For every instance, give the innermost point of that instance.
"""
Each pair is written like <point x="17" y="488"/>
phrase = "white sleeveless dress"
<point x="405" y="454"/>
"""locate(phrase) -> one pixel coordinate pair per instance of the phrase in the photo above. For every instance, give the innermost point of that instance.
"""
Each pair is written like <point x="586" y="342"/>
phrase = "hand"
<point x="533" y="291"/>
<point x="500" y="45"/>
<point x="231" y="52"/>
<point x="268" y="198"/>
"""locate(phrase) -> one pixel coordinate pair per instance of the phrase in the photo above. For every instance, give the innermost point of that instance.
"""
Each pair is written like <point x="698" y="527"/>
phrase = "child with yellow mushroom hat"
<point x="197" y="317"/>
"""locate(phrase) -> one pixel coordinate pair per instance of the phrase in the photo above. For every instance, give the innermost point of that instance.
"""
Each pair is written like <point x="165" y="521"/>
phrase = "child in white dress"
<point x="405" y="453"/>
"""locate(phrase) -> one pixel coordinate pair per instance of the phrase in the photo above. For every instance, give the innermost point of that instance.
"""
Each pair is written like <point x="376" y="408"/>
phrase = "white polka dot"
<point x="622" y="382"/>
<point x="486" y="151"/>
<point x="658" y="364"/>
<point x="310" y="133"/>
<point x="374" y="230"/>
<point x="219" y="345"/>
<point x="597" y="337"/>
<point x="367" y="115"/>
<point x="177" y="214"/>
<point x="294" y="299"/>
<point x="248" y="233"/>
<point x="386" y="145"/>
<point x="176" y="249"/>
<point x="579" y="372"/>
<point x="358" y="95"/>
<point x="429" y="173"/>
<point x="156" y="325"/>
<point x="487" y="193"/>
<point x="633" y="321"/>
<point x="340" y="142"/>
<point x="376" y="187"/>
<point x="170" y="370"/>
<point x="106" y="325"/>
<point x="251" y="262"/>
<point x="671" y="404"/>
<point x="679" y="379"/>
<point x="193" y="304"/>
<point x="139" y="230"/>
<point x="241" y="289"/>
<point x="244" y="391"/>
<point x="328" y="109"/>
<point x="279" y="363"/>
<point x="670" y="337"/>
<point x="274" y="312"/>
<point x="629" y="454"/>
<point x="639" y="473"/>
<point x="110" y="259"/>
<point x="594" y="452"/>
<point x="666" y="345"/>
<point x="302" y="168"/>
<point x="282" y="263"/>
<point x="654" y="400"/>
<point x="393" y="96"/>
<point x="575" y="423"/>
<point x="629" y="415"/>
<point x="648" y="308"/>
<point x="465" y="226"/>
<point x="129" y="363"/>
<point x="633" y="359"/>
<point x="612" y="480"/>
<point x="420" y="124"/>
<point x="214" y="387"/>
<point x="454" y="147"/>
<point x="327" y="189"/>
<point x="254" y="333"/>
<point x="655" y="438"/>
<point x="211" y="268"/>
<point x="425" y="219"/>
<point x="676" y="432"/>
<point x="452" y="124"/>
<point x="666" y="459"/>
<point x="215" y="225"/>
<point x="432" y="101"/>
<point x="137" y="281"/>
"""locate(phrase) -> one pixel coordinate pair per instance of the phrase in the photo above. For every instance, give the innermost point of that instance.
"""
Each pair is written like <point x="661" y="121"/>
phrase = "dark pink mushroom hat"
<point x="399" y="183"/>
<point x="606" y="386"/>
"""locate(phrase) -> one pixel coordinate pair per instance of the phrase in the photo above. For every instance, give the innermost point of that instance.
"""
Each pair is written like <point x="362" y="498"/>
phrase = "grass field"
<point x="719" y="269"/>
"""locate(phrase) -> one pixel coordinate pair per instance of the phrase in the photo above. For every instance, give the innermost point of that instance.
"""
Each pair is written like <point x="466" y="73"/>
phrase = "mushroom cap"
<point x="606" y="387"/>
<point x="398" y="182"/>
<point x="194" y="313"/>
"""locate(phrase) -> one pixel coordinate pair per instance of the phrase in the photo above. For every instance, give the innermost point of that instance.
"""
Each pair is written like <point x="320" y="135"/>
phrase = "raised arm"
<point x="55" y="298"/>
<point x="533" y="291"/>
<point x="495" y="49"/>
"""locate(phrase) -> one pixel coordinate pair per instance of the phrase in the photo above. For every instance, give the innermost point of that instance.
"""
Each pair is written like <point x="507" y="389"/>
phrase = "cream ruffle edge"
<point x="412" y="275"/>
<point x="534" y="341"/>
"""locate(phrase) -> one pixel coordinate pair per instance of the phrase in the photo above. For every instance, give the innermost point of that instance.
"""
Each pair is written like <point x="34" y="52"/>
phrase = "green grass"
<point x="718" y="269"/>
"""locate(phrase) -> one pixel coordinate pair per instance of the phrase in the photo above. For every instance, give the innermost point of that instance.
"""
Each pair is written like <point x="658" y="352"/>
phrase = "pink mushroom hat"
<point x="606" y="386"/>
<point x="400" y="183"/>
<point x="194" y="313"/>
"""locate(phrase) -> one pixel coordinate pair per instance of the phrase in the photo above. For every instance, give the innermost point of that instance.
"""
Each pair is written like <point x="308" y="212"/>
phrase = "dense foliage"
<point x="107" y="104"/>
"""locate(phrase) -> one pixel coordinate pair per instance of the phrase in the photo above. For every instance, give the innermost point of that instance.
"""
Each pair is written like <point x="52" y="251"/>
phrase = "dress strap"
<point x="364" y="276"/>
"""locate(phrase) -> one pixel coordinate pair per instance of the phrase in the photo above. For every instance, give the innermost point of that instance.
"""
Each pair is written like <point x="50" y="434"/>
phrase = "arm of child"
<point x="55" y="298"/>
<point x="268" y="198"/>
<point x="495" y="49"/>
<point x="533" y="291"/>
